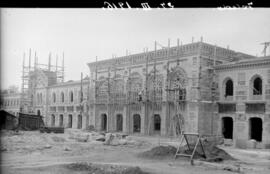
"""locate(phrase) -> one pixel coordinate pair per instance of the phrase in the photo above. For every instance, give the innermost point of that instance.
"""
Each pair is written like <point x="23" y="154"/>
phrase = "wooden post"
<point x="63" y="67"/>
<point x="29" y="59"/>
<point x="56" y="63"/>
<point x="108" y="99"/>
<point x="146" y="88"/>
<point x="81" y="95"/>
<point x="49" y="63"/>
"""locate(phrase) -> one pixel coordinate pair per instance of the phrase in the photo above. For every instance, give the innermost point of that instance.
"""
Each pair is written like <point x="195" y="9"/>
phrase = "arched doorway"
<point x="157" y="123"/>
<point x="104" y="122"/>
<point x="52" y="120"/>
<point x="61" y="118"/>
<point x="69" y="121"/>
<point x="79" y="126"/>
<point x="119" y="122"/>
<point x="227" y="127"/>
<point x="255" y="130"/>
<point x="38" y="112"/>
<point x="136" y="123"/>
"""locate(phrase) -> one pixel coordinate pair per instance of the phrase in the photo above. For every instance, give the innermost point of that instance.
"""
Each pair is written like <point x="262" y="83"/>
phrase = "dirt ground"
<point x="34" y="152"/>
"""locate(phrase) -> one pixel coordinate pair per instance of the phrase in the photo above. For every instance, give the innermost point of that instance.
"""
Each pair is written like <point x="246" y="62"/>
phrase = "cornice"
<point x="196" y="49"/>
<point x="244" y="65"/>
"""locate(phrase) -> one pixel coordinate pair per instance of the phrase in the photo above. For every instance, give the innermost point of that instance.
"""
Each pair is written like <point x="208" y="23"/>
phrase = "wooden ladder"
<point x="198" y="141"/>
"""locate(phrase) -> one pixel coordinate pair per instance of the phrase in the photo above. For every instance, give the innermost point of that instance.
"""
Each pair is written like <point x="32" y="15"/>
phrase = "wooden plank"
<point x="181" y="154"/>
<point x="194" y="150"/>
<point x="187" y="141"/>
<point x="182" y="138"/>
<point x="202" y="147"/>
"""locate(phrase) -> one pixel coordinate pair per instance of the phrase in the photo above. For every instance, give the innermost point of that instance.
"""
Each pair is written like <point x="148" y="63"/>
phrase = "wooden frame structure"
<point x="198" y="141"/>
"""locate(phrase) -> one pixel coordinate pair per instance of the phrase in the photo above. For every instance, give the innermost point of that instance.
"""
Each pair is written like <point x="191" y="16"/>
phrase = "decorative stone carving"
<point x="178" y="77"/>
<point x="177" y="84"/>
<point x="155" y="86"/>
<point x="134" y="86"/>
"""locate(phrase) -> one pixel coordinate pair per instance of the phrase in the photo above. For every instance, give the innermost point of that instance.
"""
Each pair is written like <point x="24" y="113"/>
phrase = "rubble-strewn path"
<point x="29" y="152"/>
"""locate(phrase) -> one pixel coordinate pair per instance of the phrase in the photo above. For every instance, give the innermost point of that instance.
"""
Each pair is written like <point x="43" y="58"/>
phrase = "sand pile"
<point x="213" y="153"/>
<point x="104" y="168"/>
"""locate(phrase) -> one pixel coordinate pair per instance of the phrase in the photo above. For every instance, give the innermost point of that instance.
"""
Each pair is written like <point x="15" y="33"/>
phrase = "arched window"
<point x="61" y="118"/>
<point x="257" y="86"/>
<point x="62" y="97"/>
<point x="229" y="88"/>
<point x="136" y="123"/>
<point x="52" y="120"/>
<point x="103" y="122"/>
<point x="119" y="122"/>
<point x="54" y="97"/>
<point x="71" y="96"/>
<point x="157" y="123"/>
<point x="69" y="121"/>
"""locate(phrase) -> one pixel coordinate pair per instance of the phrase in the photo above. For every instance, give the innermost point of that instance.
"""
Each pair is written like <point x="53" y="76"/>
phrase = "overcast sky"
<point x="83" y="34"/>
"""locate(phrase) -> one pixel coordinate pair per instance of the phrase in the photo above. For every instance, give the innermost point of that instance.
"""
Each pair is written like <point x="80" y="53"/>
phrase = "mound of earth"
<point x="159" y="152"/>
<point x="104" y="168"/>
<point x="213" y="153"/>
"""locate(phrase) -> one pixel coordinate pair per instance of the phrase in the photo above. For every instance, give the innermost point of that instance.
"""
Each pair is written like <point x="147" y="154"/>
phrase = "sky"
<point x="83" y="34"/>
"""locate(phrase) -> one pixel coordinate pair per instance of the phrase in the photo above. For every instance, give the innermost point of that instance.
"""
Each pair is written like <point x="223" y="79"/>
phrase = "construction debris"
<point x="104" y="168"/>
<point x="213" y="153"/>
<point x="159" y="152"/>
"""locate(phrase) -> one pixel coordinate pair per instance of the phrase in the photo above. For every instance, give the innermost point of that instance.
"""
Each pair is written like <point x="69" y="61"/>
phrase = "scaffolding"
<point x="29" y="79"/>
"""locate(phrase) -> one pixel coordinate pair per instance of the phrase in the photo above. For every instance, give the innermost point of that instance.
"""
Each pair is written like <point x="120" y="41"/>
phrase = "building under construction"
<point x="197" y="87"/>
<point x="155" y="92"/>
<point x="35" y="78"/>
<point x="45" y="93"/>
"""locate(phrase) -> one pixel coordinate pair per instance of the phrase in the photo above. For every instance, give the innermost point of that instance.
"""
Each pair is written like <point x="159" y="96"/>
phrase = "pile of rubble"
<point x="159" y="152"/>
<point x="116" y="139"/>
<point x="212" y="151"/>
<point x="24" y="141"/>
<point x="104" y="168"/>
<point x="112" y="139"/>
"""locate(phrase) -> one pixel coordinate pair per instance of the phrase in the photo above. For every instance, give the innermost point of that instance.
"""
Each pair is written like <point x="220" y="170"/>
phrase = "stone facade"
<point x="67" y="106"/>
<point x="147" y="91"/>
<point x="248" y="104"/>
<point x="60" y="104"/>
